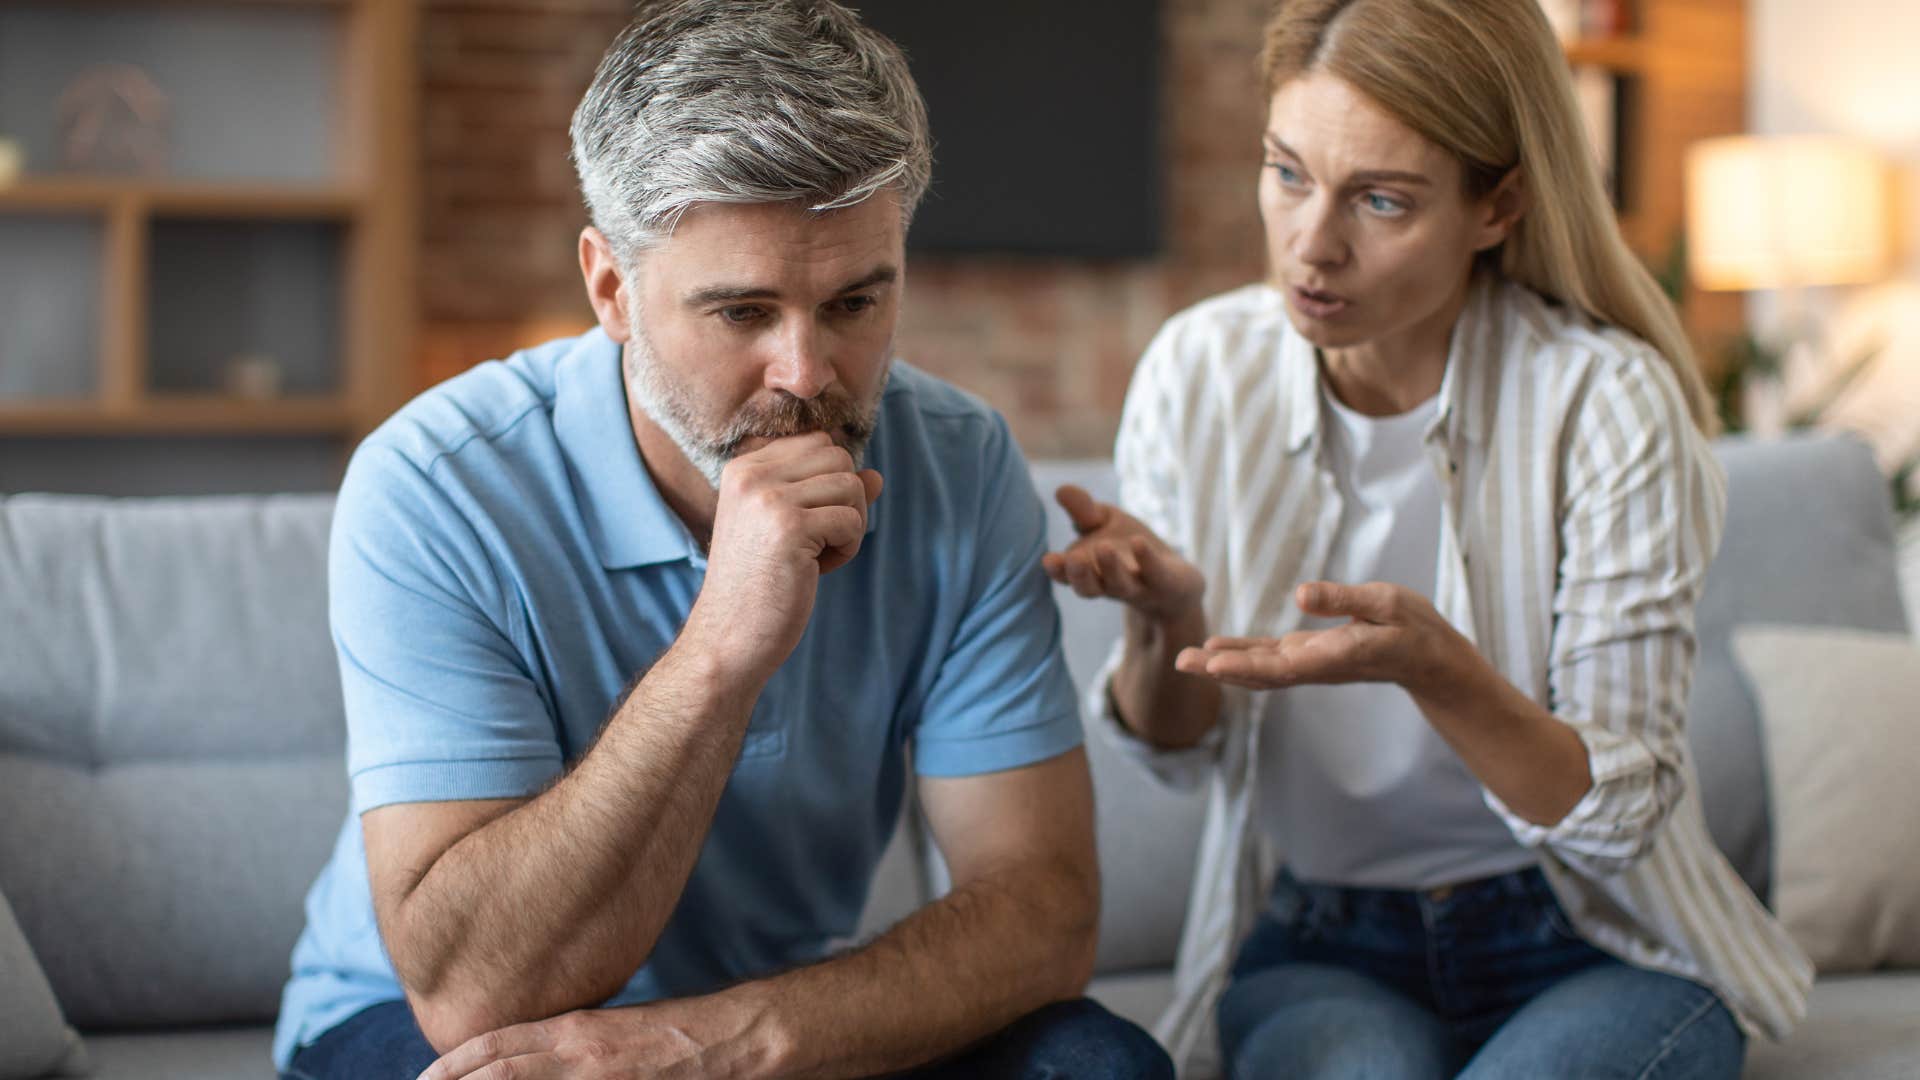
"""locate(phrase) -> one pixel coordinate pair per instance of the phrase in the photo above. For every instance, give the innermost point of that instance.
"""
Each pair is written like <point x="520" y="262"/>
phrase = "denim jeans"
<point x="1486" y="979"/>
<point x="1072" y="1040"/>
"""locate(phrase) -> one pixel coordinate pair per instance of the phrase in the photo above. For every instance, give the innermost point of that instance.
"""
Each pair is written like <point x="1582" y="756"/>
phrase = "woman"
<point x="1446" y="477"/>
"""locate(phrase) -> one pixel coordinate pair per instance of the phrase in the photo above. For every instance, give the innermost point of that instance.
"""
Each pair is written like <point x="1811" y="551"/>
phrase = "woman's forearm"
<point x="1532" y="760"/>
<point x="1163" y="707"/>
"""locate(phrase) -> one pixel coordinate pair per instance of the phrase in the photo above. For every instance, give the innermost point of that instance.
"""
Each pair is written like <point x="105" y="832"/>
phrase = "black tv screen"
<point x="1045" y="119"/>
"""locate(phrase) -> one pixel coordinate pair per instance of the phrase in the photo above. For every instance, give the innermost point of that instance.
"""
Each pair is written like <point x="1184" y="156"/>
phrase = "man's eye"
<point x="854" y="305"/>
<point x="740" y="314"/>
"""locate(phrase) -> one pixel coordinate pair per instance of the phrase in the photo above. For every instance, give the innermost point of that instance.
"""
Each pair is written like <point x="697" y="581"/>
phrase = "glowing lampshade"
<point x="1781" y="212"/>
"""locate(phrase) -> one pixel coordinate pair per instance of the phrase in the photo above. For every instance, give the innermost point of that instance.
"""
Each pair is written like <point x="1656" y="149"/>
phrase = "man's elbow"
<point x="1078" y="939"/>
<point x="448" y="1024"/>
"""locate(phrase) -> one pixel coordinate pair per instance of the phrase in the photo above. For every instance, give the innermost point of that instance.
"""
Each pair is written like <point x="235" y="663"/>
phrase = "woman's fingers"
<point x="1259" y="669"/>
<point x="1055" y="564"/>
<point x="1374" y="602"/>
<point x="1086" y="513"/>
<point x="1304" y="656"/>
<point x="1118" y="571"/>
<point x="1082" y="574"/>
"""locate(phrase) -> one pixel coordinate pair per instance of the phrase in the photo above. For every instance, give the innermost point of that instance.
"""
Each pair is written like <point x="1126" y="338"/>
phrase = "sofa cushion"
<point x="243" y="1053"/>
<point x="1139" y="996"/>
<point x="170" y="747"/>
<point x="1809" y="541"/>
<point x="1858" y="1027"/>
<point x="35" y="1040"/>
<point x="1838" y="711"/>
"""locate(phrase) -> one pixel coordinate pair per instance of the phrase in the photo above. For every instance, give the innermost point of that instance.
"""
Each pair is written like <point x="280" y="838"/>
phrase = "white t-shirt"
<point x="1361" y="791"/>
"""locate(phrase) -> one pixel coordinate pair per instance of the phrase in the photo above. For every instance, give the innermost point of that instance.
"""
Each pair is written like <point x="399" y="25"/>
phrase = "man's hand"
<point x="1393" y="635"/>
<point x="1118" y="557"/>
<point x="789" y="512"/>
<point x="698" y="1037"/>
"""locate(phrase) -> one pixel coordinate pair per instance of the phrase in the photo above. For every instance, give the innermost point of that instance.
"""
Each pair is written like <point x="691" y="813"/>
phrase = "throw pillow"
<point x="1840" y="719"/>
<point x="35" y="1040"/>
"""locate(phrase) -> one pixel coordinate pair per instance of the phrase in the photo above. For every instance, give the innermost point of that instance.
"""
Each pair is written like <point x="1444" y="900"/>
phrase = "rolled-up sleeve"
<point x="1640" y="519"/>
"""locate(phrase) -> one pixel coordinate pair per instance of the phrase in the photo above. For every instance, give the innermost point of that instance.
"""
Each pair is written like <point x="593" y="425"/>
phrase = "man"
<point x="634" y="648"/>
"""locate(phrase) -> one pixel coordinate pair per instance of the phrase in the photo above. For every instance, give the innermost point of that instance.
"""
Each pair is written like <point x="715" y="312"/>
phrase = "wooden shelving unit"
<point x="362" y="206"/>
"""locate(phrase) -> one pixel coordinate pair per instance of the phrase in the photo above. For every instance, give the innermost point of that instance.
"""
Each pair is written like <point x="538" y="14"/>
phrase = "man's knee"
<point x="1081" y="1038"/>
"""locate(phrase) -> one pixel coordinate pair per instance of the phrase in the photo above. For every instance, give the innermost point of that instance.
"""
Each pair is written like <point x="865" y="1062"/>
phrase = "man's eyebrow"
<point x="733" y="294"/>
<point x="1364" y="176"/>
<point x="880" y="275"/>
<point x="728" y="294"/>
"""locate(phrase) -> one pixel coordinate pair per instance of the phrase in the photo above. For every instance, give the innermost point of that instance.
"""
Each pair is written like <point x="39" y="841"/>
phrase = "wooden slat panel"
<point x="183" y="197"/>
<point x="178" y="416"/>
<point x="123" y="303"/>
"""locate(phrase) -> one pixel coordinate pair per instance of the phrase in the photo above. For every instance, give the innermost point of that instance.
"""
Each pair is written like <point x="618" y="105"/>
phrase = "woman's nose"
<point x="1316" y="236"/>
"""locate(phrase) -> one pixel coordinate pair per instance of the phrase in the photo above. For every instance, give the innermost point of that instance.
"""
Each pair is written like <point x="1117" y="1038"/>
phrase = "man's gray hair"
<point x="745" y="101"/>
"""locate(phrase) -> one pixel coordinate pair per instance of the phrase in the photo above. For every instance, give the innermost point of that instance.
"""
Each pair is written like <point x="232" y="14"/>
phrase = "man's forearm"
<point x="555" y="904"/>
<point x="951" y="974"/>
<point x="1165" y="707"/>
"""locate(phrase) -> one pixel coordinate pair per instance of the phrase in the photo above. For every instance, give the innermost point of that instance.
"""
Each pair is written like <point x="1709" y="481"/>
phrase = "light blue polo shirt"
<point x="502" y="567"/>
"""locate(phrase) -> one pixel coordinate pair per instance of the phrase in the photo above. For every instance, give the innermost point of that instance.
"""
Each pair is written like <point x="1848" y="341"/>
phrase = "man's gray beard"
<point x="668" y="406"/>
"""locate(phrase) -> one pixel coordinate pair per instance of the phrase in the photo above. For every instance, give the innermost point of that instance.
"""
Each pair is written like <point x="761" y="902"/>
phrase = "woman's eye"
<point x="1384" y="206"/>
<point x="1288" y="175"/>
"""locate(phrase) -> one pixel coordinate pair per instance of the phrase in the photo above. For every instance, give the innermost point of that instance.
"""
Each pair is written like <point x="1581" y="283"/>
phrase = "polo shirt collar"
<point x="628" y="522"/>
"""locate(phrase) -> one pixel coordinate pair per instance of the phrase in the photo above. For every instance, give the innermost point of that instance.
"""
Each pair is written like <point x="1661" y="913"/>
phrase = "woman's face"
<point x="1370" y="235"/>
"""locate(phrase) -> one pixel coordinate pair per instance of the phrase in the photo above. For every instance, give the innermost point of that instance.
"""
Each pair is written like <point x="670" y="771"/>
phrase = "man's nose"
<point x="801" y="366"/>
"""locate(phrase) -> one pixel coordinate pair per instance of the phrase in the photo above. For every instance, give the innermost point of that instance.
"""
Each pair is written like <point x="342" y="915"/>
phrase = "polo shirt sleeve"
<point x="1002" y="698"/>
<point x="439" y="703"/>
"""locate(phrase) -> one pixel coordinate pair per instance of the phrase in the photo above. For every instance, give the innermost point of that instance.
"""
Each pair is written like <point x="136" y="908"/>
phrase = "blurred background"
<point x="235" y="235"/>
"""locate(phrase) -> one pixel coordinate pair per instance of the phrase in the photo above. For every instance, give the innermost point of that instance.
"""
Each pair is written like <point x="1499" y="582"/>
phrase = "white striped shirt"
<point x="1582" y="508"/>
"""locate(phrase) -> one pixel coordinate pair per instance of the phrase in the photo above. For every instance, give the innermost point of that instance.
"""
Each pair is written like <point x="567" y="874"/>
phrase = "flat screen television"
<point x="1046" y="121"/>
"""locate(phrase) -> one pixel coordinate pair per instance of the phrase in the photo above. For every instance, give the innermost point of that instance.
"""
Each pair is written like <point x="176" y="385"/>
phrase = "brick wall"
<point x="1049" y="342"/>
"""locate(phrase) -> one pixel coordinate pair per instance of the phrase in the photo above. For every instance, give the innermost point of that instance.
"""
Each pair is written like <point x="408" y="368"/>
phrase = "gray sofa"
<point x="171" y="758"/>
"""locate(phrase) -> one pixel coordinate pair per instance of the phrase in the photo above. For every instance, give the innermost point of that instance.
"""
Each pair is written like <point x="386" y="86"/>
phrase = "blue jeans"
<point x="1486" y="979"/>
<point x="1070" y="1040"/>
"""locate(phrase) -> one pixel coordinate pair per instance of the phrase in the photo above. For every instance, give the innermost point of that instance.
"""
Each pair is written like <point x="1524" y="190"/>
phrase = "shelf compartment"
<point x="50" y="308"/>
<point x="220" y="290"/>
<point x="249" y="89"/>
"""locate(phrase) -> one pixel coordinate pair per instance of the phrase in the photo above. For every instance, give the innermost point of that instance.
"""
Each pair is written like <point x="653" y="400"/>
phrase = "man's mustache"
<point x="785" y="414"/>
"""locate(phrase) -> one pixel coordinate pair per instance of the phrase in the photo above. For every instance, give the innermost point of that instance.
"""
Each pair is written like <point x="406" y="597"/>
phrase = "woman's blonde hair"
<point x="1486" y="81"/>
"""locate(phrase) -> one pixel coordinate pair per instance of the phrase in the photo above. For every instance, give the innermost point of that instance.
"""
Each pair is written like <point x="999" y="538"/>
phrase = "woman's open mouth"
<point x="1317" y="304"/>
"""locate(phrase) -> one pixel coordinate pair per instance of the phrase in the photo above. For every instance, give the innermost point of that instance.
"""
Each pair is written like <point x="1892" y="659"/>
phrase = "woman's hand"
<point x="1120" y="558"/>
<point x="1534" y="762"/>
<point x="1393" y="635"/>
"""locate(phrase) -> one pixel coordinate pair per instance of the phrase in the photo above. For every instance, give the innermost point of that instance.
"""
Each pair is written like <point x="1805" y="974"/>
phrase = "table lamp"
<point x="1785" y="213"/>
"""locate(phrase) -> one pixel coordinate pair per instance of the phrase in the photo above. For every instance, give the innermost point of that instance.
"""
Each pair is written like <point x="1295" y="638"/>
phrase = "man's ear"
<point x="606" y="285"/>
<point x="1501" y="210"/>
